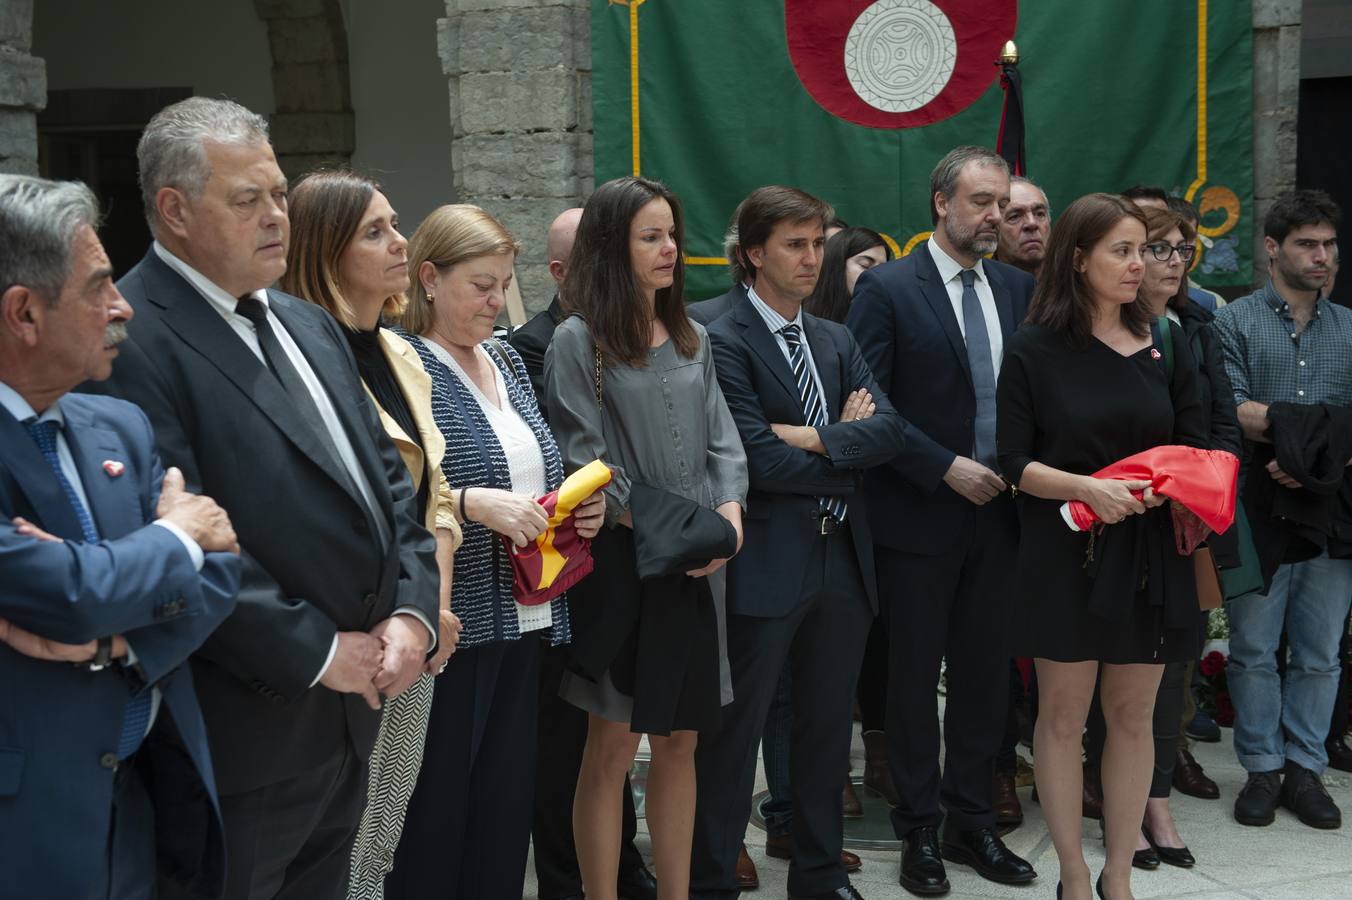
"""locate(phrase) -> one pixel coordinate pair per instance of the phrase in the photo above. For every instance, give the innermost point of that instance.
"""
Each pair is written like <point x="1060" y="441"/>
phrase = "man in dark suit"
<point x="562" y="726"/>
<point x="255" y="396"/>
<point x="706" y="311"/>
<point x="108" y="565"/>
<point x="802" y="589"/>
<point x="932" y="326"/>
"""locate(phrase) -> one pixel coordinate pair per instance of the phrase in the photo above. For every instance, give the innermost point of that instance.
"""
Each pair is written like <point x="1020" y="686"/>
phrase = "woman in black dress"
<point x="1081" y="387"/>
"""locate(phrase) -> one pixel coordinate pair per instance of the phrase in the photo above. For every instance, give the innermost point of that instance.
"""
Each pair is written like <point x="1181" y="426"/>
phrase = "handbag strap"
<point x="599" y="378"/>
<point x="1163" y="337"/>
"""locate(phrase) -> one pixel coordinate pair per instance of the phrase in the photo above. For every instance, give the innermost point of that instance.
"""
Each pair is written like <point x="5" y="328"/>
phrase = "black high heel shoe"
<point x="1098" y="887"/>
<point x="1058" y="890"/>
<point x="1147" y="859"/>
<point x="1174" y="856"/>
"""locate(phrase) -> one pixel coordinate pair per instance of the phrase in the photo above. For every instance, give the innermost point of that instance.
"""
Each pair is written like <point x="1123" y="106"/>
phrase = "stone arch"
<point x="313" y="123"/>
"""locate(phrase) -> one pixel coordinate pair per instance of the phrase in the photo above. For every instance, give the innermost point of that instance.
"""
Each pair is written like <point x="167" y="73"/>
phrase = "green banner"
<point x="705" y="96"/>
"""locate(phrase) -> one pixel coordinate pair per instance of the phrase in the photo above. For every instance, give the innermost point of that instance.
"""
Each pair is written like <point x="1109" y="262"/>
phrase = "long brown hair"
<point x="1062" y="301"/>
<point x="601" y="285"/>
<point x="326" y="209"/>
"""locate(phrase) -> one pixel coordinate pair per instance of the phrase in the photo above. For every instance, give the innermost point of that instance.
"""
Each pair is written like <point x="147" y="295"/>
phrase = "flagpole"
<point x="1009" y="142"/>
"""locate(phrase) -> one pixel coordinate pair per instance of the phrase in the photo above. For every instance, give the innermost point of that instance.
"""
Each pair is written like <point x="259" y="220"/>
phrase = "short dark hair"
<point x="1061" y="300"/>
<point x="1158" y="223"/>
<point x="1182" y="208"/>
<point x="1146" y="192"/>
<point x="944" y="177"/>
<point x="837" y="222"/>
<point x="766" y="207"/>
<point x="600" y="283"/>
<point x="1296" y="209"/>
<point x="829" y="298"/>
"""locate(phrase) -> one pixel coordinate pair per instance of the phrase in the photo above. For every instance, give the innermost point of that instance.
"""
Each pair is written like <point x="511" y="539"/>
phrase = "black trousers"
<point x="954" y="606"/>
<point x="293" y="840"/>
<point x="1007" y="758"/>
<point x="467" y="832"/>
<point x="822" y="639"/>
<point x="562" y="736"/>
<point x="872" y="690"/>
<point x="131" y="840"/>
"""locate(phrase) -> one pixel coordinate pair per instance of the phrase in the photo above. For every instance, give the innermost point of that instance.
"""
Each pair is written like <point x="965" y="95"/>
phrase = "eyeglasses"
<point x="1162" y="250"/>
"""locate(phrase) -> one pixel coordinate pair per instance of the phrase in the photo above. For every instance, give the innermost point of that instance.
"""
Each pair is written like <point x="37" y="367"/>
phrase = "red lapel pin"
<point x="1154" y="354"/>
<point x="113" y="468"/>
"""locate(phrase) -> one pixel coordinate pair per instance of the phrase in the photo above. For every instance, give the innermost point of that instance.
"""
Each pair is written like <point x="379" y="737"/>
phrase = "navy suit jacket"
<point x="312" y="563"/>
<point x="766" y="578"/>
<point x="706" y="312"/>
<point x="59" y="724"/>
<point x="905" y="324"/>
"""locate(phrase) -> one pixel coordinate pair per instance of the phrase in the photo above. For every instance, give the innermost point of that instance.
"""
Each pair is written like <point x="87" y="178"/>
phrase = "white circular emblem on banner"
<point x="900" y="54"/>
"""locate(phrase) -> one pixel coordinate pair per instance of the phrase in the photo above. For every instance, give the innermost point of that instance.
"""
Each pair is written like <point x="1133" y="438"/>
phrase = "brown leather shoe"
<point x="780" y="846"/>
<point x="1092" y="802"/>
<point x="1191" y="780"/>
<point x="877" y="772"/>
<point x="747" y="877"/>
<point x="850" y="807"/>
<point x="1005" y="802"/>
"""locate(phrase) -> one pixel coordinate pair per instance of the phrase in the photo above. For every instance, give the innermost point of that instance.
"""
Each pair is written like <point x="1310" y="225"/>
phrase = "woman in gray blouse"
<point x="629" y="379"/>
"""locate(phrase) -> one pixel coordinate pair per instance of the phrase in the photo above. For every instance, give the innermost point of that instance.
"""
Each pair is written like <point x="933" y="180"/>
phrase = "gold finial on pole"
<point x="1009" y="54"/>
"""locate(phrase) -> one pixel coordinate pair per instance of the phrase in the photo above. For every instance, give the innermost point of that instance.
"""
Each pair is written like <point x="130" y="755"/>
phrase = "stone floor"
<point x="1285" y="861"/>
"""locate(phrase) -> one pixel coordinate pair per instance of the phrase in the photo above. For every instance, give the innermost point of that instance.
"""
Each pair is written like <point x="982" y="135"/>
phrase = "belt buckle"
<point x="827" y="524"/>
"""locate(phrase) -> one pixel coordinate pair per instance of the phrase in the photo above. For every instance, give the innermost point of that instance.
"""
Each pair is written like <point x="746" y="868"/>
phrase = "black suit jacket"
<point x="909" y="334"/>
<point x="532" y="340"/>
<point x="765" y="579"/>
<point x="312" y="561"/>
<point x="706" y="311"/>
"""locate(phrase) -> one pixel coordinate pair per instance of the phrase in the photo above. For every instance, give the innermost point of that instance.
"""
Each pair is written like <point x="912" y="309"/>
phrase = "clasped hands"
<point x="1112" y="500"/>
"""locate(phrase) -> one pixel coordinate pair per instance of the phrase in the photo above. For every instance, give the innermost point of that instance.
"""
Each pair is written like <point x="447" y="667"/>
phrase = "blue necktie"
<point x="137" y="716"/>
<point x="983" y="370"/>
<point x="813" y="412"/>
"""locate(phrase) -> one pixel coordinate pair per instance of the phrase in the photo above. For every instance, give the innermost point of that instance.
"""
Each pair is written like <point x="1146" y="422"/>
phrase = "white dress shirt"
<point x="20" y="409"/>
<point x="774" y="321"/>
<point x="950" y="273"/>
<point x="225" y="304"/>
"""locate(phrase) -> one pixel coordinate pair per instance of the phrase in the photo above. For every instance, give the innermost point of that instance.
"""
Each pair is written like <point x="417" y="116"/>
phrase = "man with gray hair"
<point x="113" y="575"/>
<point x="255" y="395"/>
<point x="1025" y="225"/>
<point x="933" y="326"/>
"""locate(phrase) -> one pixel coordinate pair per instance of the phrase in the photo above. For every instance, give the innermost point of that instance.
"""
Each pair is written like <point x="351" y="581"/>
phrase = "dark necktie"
<point x="274" y="354"/>
<point x="983" y="370"/>
<point x="814" y="413"/>
<point x="136" y="717"/>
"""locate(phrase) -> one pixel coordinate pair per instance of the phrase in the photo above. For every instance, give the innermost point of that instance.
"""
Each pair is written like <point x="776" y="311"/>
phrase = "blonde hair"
<point x="326" y="210"/>
<point x="448" y="236"/>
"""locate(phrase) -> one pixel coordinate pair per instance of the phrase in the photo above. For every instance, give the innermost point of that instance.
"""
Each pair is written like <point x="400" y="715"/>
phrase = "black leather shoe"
<point x="1303" y="793"/>
<point x="1146" y="859"/>
<point x="922" y="867"/>
<point x="983" y="850"/>
<point x="845" y="893"/>
<point x="1340" y="755"/>
<point x="1257" y="800"/>
<point x="1174" y="856"/>
<point x="637" y="884"/>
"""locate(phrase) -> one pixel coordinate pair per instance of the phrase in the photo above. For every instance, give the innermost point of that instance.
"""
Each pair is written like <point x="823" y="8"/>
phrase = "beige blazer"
<point x="422" y="462"/>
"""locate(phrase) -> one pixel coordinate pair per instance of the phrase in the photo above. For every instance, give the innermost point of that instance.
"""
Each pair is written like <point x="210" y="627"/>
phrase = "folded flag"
<point x="1203" y="481"/>
<point x="560" y="557"/>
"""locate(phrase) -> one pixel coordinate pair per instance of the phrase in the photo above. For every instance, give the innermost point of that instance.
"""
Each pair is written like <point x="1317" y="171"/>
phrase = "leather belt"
<point x="828" y="524"/>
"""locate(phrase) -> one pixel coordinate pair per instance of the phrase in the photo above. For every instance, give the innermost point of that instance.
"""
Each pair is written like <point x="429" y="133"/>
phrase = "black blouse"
<point x="376" y="374"/>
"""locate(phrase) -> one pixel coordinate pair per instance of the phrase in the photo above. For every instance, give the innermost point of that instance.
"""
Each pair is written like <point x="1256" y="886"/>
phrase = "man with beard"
<point x="1287" y="347"/>
<point x="1024" y="227"/>
<point x="933" y="326"/>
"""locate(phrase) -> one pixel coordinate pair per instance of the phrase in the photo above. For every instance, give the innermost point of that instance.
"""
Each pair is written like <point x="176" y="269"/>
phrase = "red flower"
<point x="1213" y="663"/>
<point x="1225" y="711"/>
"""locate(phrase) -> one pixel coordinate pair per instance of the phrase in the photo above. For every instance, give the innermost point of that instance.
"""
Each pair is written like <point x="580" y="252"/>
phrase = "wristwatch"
<point x="103" y="655"/>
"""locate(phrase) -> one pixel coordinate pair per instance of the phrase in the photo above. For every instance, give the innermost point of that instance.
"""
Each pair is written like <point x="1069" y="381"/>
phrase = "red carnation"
<point x="1213" y="663"/>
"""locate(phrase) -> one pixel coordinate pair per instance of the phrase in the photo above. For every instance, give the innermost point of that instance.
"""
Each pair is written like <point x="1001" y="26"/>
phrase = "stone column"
<point x="313" y="122"/>
<point x="1276" y="98"/>
<point x="520" y="106"/>
<point x="23" y="89"/>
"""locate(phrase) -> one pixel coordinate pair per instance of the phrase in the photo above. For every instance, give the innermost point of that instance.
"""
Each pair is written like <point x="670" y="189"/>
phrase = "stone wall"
<point x="1276" y="95"/>
<point x="23" y="88"/>
<point x="520" y="107"/>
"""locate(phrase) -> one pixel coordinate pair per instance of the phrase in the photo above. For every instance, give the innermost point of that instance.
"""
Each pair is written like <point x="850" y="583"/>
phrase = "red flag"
<point x="897" y="63"/>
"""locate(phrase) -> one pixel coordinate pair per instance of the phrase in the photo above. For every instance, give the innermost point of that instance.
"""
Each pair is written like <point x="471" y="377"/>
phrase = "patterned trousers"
<point x="395" y="761"/>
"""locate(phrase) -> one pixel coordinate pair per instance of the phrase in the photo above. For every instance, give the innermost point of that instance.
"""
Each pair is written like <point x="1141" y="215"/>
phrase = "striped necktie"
<point x="136" y="717"/>
<point x="814" y="413"/>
